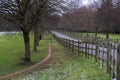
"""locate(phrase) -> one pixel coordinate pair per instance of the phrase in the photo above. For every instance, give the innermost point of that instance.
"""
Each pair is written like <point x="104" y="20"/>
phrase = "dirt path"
<point x="65" y="65"/>
<point x="32" y="68"/>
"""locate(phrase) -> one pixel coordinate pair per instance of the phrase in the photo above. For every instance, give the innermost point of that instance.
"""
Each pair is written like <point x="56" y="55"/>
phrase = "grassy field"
<point x="67" y="66"/>
<point x="114" y="37"/>
<point x="12" y="52"/>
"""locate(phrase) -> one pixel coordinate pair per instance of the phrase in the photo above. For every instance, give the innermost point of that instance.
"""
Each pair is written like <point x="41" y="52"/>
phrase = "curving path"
<point x="32" y="68"/>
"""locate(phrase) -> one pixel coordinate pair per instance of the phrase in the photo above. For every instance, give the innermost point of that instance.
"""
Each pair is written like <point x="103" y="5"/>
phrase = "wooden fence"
<point x="105" y="53"/>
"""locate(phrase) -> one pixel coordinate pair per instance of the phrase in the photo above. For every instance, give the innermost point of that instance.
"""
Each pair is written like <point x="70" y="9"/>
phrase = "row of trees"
<point x="41" y="15"/>
<point x="99" y="16"/>
<point x="27" y="15"/>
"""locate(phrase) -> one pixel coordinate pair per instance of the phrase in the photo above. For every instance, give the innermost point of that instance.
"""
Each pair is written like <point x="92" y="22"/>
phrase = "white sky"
<point x="88" y="2"/>
<point x="85" y="2"/>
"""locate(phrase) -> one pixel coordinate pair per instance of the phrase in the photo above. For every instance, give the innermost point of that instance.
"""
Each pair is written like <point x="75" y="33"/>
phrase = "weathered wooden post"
<point x="118" y="62"/>
<point x="96" y="52"/>
<point x="73" y="46"/>
<point x="88" y="49"/>
<point x="66" y="42"/>
<point x="79" y="48"/>
<point x="62" y="41"/>
<point x="103" y="56"/>
<point x="86" y="54"/>
<point x="108" y="57"/>
<point x="98" y="56"/>
<point x="91" y="47"/>
<point x="114" y="63"/>
<point x="85" y="49"/>
<point x="69" y="44"/>
<point x="82" y="50"/>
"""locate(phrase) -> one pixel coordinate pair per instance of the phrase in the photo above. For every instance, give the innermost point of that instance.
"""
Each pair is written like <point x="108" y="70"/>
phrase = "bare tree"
<point x="104" y="16"/>
<point x="39" y="12"/>
<point x="50" y="7"/>
<point x="24" y="14"/>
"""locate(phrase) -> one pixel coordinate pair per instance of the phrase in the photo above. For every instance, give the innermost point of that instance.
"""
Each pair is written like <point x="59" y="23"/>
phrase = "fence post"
<point x="66" y="43"/>
<point x="82" y="49"/>
<point x="69" y="41"/>
<point x="98" y="56"/>
<point x="108" y="57"/>
<point x="85" y="49"/>
<point x="72" y="46"/>
<point x="103" y="56"/>
<point x="114" y="63"/>
<point x="88" y="50"/>
<point x="91" y="50"/>
<point x="78" y="48"/>
<point x="118" y="62"/>
<point x="96" y="52"/>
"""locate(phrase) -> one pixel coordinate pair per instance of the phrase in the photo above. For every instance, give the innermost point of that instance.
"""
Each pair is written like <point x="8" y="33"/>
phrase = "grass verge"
<point x="67" y="66"/>
<point x="12" y="51"/>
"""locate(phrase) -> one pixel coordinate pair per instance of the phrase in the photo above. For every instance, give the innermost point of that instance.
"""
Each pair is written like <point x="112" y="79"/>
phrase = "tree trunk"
<point x="107" y="36"/>
<point x="27" y="57"/>
<point x="108" y="29"/>
<point x="35" y="40"/>
<point x="40" y="36"/>
<point x="96" y="32"/>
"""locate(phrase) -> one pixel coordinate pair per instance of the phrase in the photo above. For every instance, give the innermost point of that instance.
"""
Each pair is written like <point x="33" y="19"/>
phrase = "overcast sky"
<point x="88" y="2"/>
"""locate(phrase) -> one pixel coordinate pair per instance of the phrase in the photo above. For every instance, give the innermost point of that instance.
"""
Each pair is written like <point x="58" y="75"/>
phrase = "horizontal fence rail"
<point x="105" y="54"/>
